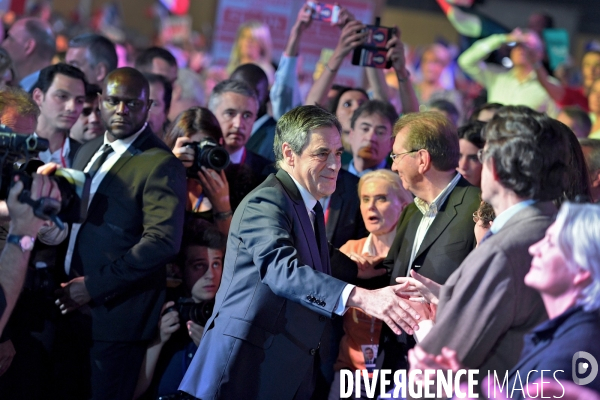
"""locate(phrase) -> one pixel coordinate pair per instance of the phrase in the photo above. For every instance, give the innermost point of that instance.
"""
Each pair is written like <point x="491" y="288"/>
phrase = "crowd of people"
<point x="232" y="219"/>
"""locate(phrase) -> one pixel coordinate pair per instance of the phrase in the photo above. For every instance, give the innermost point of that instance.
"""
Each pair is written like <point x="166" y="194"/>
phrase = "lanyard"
<point x="62" y="150"/>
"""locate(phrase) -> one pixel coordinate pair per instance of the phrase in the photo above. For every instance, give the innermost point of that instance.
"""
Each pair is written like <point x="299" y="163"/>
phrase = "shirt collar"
<point x="353" y="170"/>
<point x="237" y="156"/>
<point x="439" y="200"/>
<point x="30" y="80"/>
<point x="259" y="123"/>
<point x="120" y="146"/>
<point x="507" y="214"/>
<point x="308" y="199"/>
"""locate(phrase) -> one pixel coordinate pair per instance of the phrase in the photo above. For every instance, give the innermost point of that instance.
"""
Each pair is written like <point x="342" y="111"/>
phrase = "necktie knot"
<point x="318" y="209"/>
<point x="104" y="152"/>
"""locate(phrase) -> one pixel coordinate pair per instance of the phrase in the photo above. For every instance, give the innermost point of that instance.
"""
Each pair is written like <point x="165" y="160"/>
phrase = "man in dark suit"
<point x="485" y="309"/>
<point x="277" y="292"/>
<point x="434" y="233"/>
<point x="134" y="224"/>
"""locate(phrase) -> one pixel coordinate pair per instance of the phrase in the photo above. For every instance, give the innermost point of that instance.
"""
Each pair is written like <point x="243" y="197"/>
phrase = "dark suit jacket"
<point x="259" y="165"/>
<point x="261" y="141"/>
<point x="485" y="308"/>
<point x="345" y="220"/>
<point x="134" y="226"/>
<point x="448" y="241"/>
<point x="273" y="303"/>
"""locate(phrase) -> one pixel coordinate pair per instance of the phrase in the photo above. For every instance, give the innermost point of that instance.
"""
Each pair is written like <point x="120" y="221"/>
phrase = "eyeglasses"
<point x="481" y="154"/>
<point x="395" y="156"/>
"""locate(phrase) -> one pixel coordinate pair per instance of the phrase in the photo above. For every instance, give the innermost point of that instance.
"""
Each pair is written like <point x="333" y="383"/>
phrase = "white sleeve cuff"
<point x="340" y="309"/>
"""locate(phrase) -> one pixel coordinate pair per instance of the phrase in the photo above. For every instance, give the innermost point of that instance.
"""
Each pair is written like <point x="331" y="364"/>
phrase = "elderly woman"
<point x="382" y="199"/>
<point x="565" y="270"/>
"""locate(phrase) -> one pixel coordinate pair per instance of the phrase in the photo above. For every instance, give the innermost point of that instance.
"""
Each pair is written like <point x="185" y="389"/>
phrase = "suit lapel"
<point x="443" y="218"/>
<point x="86" y="152"/>
<point x="302" y="214"/>
<point x="408" y="238"/>
<point x="134" y="149"/>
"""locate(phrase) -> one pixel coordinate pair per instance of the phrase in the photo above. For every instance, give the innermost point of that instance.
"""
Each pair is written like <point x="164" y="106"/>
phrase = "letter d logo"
<point x="583" y="367"/>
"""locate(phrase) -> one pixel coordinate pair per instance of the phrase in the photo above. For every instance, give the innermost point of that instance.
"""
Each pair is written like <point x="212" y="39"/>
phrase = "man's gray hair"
<point x="192" y="87"/>
<point x="294" y="127"/>
<point x="578" y="227"/>
<point x="593" y="159"/>
<point x="232" y="86"/>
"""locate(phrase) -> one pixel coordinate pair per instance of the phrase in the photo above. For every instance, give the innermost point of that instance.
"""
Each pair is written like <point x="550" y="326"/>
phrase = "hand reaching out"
<point x="366" y="265"/>
<point x="418" y="288"/>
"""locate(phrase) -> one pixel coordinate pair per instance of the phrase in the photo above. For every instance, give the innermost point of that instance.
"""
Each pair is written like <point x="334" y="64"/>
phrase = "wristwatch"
<point x="25" y="242"/>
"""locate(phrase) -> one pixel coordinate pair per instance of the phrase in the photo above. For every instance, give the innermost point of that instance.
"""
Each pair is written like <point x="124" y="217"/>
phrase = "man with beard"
<point x="371" y="136"/>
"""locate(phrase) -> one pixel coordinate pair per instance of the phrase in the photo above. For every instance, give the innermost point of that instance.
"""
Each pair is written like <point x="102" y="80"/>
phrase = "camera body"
<point x="16" y="151"/>
<point x="189" y="310"/>
<point x="208" y="154"/>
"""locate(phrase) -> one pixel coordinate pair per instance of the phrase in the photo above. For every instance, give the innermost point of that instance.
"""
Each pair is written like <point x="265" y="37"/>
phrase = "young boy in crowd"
<point x="188" y="306"/>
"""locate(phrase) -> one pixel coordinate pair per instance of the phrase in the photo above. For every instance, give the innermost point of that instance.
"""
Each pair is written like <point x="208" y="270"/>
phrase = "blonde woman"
<point x="253" y="45"/>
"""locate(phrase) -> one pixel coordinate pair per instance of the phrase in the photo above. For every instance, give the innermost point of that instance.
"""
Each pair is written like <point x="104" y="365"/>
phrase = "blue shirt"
<point x="30" y="80"/>
<point x="507" y="214"/>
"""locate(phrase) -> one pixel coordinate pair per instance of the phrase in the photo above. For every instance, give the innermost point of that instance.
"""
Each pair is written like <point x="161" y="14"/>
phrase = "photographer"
<point x="208" y="190"/>
<point x="24" y="226"/>
<point x="200" y="263"/>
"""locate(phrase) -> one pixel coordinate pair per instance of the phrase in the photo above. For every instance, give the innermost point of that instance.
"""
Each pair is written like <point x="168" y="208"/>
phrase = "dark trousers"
<point x="116" y="368"/>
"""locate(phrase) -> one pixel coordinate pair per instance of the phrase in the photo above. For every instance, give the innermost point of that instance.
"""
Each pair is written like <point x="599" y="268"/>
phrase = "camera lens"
<point x="217" y="158"/>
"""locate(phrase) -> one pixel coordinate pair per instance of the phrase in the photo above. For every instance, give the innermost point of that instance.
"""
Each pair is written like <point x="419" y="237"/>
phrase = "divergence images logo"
<point x="581" y="367"/>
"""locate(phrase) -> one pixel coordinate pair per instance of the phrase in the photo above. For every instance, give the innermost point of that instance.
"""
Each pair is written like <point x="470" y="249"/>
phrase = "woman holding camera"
<point x="208" y="190"/>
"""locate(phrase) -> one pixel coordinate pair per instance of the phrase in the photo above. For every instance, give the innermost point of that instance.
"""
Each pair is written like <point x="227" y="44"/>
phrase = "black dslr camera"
<point x="16" y="151"/>
<point x="208" y="154"/>
<point x="189" y="310"/>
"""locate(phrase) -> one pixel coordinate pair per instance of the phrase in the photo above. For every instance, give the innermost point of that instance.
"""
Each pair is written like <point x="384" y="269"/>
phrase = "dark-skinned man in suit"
<point x="116" y="257"/>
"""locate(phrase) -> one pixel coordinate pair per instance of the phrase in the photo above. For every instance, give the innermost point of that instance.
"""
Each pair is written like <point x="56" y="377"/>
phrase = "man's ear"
<point x="30" y="46"/>
<point x="176" y="93"/>
<point x="38" y="96"/>
<point x="423" y="161"/>
<point x="101" y="70"/>
<point x="288" y="154"/>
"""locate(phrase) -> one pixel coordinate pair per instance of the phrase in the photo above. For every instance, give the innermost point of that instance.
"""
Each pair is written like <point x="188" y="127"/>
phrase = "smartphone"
<point x="325" y="12"/>
<point x="378" y="36"/>
<point x="371" y="57"/>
